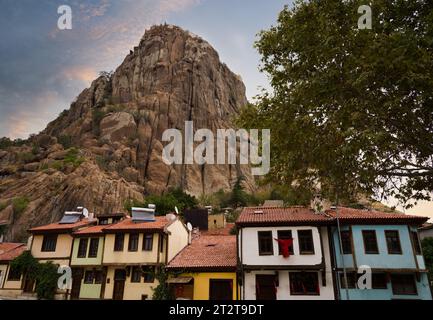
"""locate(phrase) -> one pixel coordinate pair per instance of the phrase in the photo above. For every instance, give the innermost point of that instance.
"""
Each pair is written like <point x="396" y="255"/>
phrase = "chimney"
<point x="319" y="204"/>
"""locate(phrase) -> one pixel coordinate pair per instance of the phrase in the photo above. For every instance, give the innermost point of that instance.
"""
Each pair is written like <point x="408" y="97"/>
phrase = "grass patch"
<point x="20" y="204"/>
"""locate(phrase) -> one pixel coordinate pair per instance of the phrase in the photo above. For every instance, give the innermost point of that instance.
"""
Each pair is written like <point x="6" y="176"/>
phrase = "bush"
<point x="3" y="206"/>
<point x="72" y="157"/>
<point x="44" y="274"/>
<point x="26" y="157"/>
<point x="5" y="143"/>
<point x="20" y="204"/>
<point x="65" y="141"/>
<point x="162" y="290"/>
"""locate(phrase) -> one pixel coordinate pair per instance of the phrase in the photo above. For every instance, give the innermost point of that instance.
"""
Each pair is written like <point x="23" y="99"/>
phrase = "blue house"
<point x="387" y="243"/>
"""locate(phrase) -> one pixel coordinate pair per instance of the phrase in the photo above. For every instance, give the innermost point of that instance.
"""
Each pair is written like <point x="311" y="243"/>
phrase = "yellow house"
<point x="89" y="276"/>
<point x="53" y="243"/>
<point x="134" y="250"/>
<point x="205" y="270"/>
<point x="10" y="280"/>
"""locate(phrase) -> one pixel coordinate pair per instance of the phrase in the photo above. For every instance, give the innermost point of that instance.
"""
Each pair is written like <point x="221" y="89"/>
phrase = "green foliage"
<point x="72" y="157"/>
<point x="234" y="230"/>
<point x="238" y="197"/>
<point x="44" y="274"/>
<point x="58" y="165"/>
<point x="349" y="108"/>
<point x="46" y="281"/>
<point x="20" y="204"/>
<point x="165" y="203"/>
<point x="26" y="264"/>
<point x="65" y="141"/>
<point x="103" y="162"/>
<point x="26" y="157"/>
<point x="427" y="249"/>
<point x="162" y="290"/>
<point x="3" y="206"/>
<point x="5" y="143"/>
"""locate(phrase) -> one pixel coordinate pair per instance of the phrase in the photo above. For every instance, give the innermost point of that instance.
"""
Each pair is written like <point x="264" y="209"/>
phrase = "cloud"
<point x="45" y="68"/>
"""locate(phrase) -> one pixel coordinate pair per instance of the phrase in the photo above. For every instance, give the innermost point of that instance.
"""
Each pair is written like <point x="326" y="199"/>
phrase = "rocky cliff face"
<point x="116" y="128"/>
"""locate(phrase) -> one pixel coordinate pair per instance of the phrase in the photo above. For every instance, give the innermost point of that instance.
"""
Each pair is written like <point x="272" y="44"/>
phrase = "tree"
<point x="351" y="109"/>
<point x="238" y="197"/>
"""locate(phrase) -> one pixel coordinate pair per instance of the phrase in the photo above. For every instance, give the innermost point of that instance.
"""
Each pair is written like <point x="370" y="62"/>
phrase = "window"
<point x="133" y="242"/>
<point x="304" y="283"/>
<point x="99" y="277"/>
<point x="93" y="250"/>
<point x="403" y="284"/>
<point x="149" y="274"/>
<point x="161" y="243"/>
<point x="393" y="242"/>
<point x="352" y="279"/>
<point x="82" y="248"/>
<point x="379" y="281"/>
<point x="284" y="235"/>
<point x="266" y="246"/>
<point x="346" y="241"/>
<point x="415" y="241"/>
<point x="88" y="277"/>
<point x="49" y="243"/>
<point x="306" y="245"/>
<point x="136" y="275"/>
<point x="370" y="241"/>
<point x="118" y="242"/>
<point x="14" y="274"/>
<point x="148" y="242"/>
<point x="103" y="221"/>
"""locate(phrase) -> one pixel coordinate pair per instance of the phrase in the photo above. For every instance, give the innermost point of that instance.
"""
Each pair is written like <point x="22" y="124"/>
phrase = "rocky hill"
<point x="107" y="147"/>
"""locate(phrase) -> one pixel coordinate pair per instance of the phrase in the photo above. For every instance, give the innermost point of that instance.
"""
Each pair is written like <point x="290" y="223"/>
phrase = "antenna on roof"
<point x="176" y="209"/>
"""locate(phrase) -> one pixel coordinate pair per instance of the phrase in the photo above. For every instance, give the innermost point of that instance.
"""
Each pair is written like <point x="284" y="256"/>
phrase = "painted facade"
<point x="388" y="269"/>
<point x="134" y="252"/>
<point x="11" y="283"/>
<point x="205" y="269"/>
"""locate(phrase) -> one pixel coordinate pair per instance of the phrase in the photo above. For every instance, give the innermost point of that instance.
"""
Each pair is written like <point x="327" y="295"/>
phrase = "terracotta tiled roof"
<point x="9" y="251"/>
<point x="207" y="253"/>
<point x="128" y="225"/>
<point x="57" y="227"/>
<point x="350" y="215"/>
<point x="93" y="230"/>
<point x="265" y="216"/>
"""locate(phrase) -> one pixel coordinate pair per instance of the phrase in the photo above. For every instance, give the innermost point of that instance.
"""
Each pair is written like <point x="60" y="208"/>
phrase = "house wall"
<point x="63" y="247"/>
<point x="283" y="290"/>
<point x="9" y="285"/>
<point x="126" y="257"/>
<point x="177" y="239"/>
<point x="423" y="292"/>
<point x="132" y="291"/>
<point x="250" y="248"/>
<point x="216" y="221"/>
<point x="202" y="282"/>
<point x="75" y="261"/>
<point x="383" y="260"/>
<point x="89" y="291"/>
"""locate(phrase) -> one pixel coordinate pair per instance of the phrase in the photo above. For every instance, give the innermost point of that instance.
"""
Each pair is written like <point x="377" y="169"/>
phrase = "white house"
<point x="284" y="254"/>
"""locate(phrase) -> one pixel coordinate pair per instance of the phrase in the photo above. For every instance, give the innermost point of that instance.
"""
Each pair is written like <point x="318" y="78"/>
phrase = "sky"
<point x="43" y="69"/>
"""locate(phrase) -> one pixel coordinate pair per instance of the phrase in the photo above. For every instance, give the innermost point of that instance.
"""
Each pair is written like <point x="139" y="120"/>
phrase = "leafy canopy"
<point x="349" y="108"/>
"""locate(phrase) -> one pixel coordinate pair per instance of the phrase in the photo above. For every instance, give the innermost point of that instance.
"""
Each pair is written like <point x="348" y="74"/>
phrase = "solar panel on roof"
<point x="70" y="218"/>
<point x="142" y="216"/>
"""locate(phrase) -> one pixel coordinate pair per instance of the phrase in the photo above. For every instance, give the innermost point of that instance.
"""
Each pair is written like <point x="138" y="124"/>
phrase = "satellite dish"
<point x="189" y="226"/>
<point x="176" y="209"/>
<point x="85" y="213"/>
